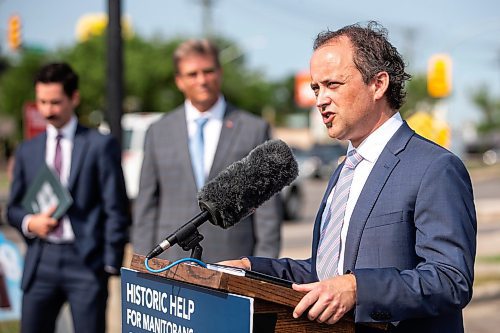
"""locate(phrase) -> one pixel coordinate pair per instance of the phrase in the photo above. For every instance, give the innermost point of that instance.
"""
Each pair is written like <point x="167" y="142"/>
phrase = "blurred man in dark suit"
<point x="69" y="259"/>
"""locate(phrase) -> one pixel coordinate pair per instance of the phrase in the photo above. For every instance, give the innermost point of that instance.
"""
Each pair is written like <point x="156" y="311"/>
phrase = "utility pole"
<point x="498" y="59"/>
<point x="114" y="70"/>
<point x="409" y="36"/>
<point x="207" y="17"/>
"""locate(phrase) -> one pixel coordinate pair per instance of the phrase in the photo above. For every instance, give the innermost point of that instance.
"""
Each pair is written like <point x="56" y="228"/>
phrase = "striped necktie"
<point x="329" y="244"/>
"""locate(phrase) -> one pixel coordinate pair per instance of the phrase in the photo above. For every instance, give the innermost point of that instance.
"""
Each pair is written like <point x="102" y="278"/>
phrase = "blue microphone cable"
<point x="175" y="263"/>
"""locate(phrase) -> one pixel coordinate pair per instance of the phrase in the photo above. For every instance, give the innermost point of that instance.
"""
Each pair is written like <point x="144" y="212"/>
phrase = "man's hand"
<point x="327" y="301"/>
<point x="240" y="263"/>
<point x="41" y="224"/>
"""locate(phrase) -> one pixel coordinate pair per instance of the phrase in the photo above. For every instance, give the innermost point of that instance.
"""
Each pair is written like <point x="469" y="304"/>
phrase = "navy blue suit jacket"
<point x="411" y="240"/>
<point x="99" y="214"/>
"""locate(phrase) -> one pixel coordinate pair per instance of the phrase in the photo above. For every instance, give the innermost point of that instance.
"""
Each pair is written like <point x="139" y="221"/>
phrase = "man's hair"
<point x="200" y="47"/>
<point x="373" y="54"/>
<point x="59" y="73"/>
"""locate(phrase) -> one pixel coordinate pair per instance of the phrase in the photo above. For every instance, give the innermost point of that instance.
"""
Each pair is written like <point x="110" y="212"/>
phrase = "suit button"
<point x="386" y="316"/>
<point x="375" y="315"/>
<point x="380" y="315"/>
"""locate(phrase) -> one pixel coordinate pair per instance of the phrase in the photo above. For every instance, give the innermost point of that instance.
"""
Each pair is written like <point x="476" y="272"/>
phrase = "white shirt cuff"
<point x="24" y="226"/>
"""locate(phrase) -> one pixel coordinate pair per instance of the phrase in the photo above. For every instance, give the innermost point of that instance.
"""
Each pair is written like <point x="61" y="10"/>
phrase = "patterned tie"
<point x="58" y="155"/>
<point x="329" y="245"/>
<point x="58" y="230"/>
<point x="197" y="148"/>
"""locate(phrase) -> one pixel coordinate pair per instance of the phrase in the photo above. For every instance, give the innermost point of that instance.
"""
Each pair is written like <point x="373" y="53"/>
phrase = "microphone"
<point x="238" y="190"/>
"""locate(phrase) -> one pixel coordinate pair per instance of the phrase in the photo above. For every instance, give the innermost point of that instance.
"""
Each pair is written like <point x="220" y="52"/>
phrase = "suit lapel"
<point x="79" y="148"/>
<point x="381" y="171"/>
<point x="40" y="150"/>
<point x="177" y="129"/>
<point x="230" y="124"/>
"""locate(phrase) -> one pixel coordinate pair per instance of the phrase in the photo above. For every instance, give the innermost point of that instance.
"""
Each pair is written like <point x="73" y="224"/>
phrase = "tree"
<point x="16" y="84"/>
<point x="150" y="80"/>
<point x="489" y="107"/>
<point x="417" y="95"/>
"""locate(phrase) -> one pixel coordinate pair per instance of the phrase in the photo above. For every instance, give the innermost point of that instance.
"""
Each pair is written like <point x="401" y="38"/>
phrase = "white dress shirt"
<point x="68" y="135"/>
<point x="370" y="149"/>
<point x="211" y="131"/>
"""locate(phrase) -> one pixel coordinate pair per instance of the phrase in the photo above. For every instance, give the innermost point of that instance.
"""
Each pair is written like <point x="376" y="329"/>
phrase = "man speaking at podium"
<point x="395" y="236"/>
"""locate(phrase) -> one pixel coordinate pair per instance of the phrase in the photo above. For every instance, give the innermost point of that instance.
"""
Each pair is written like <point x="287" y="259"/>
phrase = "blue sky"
<point x="277" y="35"/>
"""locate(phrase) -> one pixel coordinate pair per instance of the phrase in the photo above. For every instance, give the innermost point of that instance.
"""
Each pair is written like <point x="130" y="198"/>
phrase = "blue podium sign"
<point x="11" y="271"/>
<point x="152" y="303"/>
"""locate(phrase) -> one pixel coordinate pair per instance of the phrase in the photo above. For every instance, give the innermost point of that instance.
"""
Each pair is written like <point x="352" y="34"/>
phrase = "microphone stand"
<point x="188" y="236"/>
<point x="192" y="242"/>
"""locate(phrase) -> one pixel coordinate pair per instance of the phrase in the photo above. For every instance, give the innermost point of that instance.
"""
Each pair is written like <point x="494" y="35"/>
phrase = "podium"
<point x="271" y="305"/>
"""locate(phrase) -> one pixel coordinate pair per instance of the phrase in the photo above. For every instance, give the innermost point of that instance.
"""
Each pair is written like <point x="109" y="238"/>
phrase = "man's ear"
<point x="75" y="99"/>
<point x="381" y="83"/>
<point x="179" y="83"/>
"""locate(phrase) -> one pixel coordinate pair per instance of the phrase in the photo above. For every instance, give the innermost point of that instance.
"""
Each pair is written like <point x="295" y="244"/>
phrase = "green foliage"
<point x="490" y="109"/>
<point x="16" y="85"/>
<point x="417" y="96"/>
<point x="149" y="75"/>
<point x="248" y="89"/>
<point x="88" y="59"/>
<point x="10" y="326"/>
<point x="283" y="99"/>
<point x="149" y="83"/>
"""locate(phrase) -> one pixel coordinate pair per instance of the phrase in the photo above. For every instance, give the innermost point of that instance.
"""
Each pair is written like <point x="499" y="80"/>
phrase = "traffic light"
<point x="439" y="76"/>
<point x="14" y="37"/>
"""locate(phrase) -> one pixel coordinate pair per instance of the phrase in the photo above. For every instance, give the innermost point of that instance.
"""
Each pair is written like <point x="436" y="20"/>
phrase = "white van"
<point x="134" y="127"/>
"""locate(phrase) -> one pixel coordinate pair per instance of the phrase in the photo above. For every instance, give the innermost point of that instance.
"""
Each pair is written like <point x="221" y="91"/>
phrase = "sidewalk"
<point x="487" y="267"/>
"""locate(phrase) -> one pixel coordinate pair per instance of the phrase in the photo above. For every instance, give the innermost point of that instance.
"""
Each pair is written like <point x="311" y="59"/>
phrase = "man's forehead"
<point x="332" y="55"/>
<point x="336" y="41"/>
<point x="196" y="57"/>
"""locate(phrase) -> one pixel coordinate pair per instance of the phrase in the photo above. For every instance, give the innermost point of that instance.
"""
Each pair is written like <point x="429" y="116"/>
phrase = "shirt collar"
<point x="215" y="112"/>
<point x="68" y="130"/>
<point x="372" y="146"/>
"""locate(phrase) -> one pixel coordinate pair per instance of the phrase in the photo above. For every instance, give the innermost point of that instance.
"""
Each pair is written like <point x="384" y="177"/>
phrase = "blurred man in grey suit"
<point x="188" y="147"/>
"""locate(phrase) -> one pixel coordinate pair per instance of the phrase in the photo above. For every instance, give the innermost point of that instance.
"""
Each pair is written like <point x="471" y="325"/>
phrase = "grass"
<point x="4" y="182"/>
<point x="489" y="259"/>
<point x="9" y="326"/>
<point x="487" y="277"/>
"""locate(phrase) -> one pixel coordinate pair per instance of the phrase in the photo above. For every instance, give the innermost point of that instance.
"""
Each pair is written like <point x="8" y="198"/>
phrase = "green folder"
<point x="45" y="192"/>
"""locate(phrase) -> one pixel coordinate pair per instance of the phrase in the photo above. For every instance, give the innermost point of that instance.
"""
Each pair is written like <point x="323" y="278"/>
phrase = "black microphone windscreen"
<point x="246" y="184"/>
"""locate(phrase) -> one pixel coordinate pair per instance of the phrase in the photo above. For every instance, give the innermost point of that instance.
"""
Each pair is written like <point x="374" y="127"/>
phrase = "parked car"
<point x="329" y="157"/>
<point x="485" y="151"/>
<point x="135" y="126"/>
<point x="308" y="164"/>
<point x="292" y="199"/>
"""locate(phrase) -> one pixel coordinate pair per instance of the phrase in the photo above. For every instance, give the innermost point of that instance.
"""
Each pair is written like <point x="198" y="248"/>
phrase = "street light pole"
<point x="114" y="70"/>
